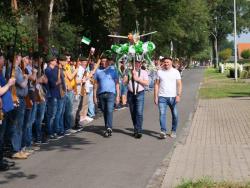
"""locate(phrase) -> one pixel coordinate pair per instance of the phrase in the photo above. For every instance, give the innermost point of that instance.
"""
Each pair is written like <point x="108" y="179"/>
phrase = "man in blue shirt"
<point x="7" y="109"/>
<point x="107" y="87"/>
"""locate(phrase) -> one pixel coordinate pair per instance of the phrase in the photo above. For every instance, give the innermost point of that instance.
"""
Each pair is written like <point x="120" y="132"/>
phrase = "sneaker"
<point x="72" y="131"/>
<point x="10" y="163"/>
<point x="138" y="135"/>
<point x="4" y="167"/>
<point x="53" y="137"/>
<point x="82" y="119"/>
<point x="108" y="132"/>
<point x="28" y="150"/>
<point x="163" y="135"/>
<point x="173" y="134"/>
<point x="37" y="143"/>
<point x="67" y="132"/>
<point x="36" y="148"/>
<point x="19" y="155"/>
<point x="89" y="119"/>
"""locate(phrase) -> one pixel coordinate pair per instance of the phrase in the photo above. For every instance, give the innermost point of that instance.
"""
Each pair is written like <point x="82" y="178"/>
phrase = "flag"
<point x="85" y="40"/>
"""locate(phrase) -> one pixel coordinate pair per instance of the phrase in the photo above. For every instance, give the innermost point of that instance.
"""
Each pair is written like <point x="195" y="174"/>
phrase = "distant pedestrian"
<point x="167" y="92"/>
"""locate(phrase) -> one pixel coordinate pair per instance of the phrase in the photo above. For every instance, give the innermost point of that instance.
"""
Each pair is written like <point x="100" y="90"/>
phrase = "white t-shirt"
<point x="168" y="81"/>
<point x="80" y="73"/>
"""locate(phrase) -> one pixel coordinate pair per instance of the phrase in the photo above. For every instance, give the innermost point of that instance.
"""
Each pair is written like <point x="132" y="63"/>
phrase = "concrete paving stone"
<point x="217" y="145"/>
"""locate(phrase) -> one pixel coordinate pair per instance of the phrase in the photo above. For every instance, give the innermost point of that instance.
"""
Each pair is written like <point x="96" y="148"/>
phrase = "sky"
<point x="243" y="38"/>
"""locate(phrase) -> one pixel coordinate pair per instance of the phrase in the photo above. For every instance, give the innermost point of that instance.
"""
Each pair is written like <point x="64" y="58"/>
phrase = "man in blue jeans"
<point x="167" y="92"/>
<point x="107" y="89"/>
<point x="136" y="88"/>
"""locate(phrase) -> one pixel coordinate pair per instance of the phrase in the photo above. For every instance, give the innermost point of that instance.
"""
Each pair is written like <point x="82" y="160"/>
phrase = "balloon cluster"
<point x="131" y="52"/>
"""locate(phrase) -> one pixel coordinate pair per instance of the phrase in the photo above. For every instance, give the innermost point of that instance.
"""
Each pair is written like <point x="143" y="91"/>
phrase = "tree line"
<point x="191" y="25"/>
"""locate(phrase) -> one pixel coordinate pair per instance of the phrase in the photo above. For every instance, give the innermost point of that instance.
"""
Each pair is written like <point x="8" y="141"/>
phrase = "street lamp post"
<point x="235" y="44"/>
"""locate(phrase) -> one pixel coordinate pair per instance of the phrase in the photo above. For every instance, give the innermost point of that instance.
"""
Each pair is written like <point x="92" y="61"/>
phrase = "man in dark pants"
<point x="7" y="108"/>
<point x="136" y="88"/>
<point x="107" y="88"/>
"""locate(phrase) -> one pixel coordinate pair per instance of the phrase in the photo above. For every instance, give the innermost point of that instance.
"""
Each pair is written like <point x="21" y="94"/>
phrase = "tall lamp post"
<point x="235" y="44"/>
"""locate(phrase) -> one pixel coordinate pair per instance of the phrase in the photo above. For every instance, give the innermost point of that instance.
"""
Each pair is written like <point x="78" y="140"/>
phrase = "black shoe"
<point x="4" y="167"/>
<point x="108" y="132"/>
<point x="10" y="163"/>
<point x="138" y="135"/>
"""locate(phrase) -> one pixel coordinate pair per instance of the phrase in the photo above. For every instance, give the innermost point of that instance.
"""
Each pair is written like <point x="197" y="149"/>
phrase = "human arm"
<point x="156" y="90"/>
<point x="95" y="88"/>
<point x="143" y="81"/>
<point x="179" y="90"/>
<point x="6" y="87"/>
<point x="117" y="87"/>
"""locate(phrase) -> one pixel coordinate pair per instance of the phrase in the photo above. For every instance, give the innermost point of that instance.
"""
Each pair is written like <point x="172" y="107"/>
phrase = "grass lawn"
<point x="217" y="85"/>
<point x="207" y="183"/>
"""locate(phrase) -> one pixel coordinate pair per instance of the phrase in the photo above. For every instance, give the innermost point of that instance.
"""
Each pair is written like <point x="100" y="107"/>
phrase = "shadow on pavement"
<point x="147" y="132"/>
<point x="98" y="129"/>
<point x="66" y="143"/>
<point x="15" y="173"/>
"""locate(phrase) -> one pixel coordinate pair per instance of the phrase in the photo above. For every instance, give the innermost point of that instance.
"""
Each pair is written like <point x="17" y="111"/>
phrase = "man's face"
<point x="137" y="65"/>
<point x="26" y="60"/>
<point x="104" y="63"/>
<point x="167" y="63"/>
<point x="53" y="62"/>
<point x="62" y="63"/>
<point x="84" y="63"/>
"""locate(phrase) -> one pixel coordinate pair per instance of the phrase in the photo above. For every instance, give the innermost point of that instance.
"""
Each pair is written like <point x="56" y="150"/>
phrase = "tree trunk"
<point x="44" y="22"/>
<point x="214" y="53"/>
<point x="51" y="5"/>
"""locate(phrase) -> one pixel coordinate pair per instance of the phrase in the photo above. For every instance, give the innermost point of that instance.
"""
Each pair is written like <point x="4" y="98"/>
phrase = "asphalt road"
<point x="87" y="159"/>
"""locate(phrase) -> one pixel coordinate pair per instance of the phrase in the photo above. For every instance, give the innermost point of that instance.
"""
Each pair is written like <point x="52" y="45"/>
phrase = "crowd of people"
<point x="45" y="99"/>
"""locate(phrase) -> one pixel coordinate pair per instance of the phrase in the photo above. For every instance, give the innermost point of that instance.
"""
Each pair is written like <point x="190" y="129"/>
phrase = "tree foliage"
<point x="225" y="54"/>
<point x="187" y="25"/>
<point x="245" y="54"/>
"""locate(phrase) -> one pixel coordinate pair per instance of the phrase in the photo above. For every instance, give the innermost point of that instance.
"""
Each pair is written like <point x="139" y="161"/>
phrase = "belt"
<point x="137" y="92"/>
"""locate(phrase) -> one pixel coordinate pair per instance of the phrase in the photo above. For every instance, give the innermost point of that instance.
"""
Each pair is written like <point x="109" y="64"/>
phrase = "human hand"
<point x="11" y="81"/>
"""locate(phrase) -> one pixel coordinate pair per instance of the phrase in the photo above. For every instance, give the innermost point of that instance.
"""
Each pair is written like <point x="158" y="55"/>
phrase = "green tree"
<point x="225" y="54"/>
<point x="245" y="54"/>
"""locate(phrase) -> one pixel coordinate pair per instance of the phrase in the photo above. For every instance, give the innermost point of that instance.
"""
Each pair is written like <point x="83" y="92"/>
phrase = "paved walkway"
<point x="217" y="145"/>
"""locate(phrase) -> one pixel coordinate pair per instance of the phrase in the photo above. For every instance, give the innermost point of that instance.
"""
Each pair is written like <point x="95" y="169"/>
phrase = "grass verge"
<point x="217" y="85"/>
<point x="208" y="183"/>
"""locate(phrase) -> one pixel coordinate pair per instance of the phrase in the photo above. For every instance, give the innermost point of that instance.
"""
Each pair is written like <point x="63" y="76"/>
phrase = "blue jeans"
<point x="51" y="115"/>
<point x="29" y="119"/>
<point x="17" y="127"/>
<point x="163" y="102"/>
<point x="107" y="101"/>
<point x="68" y="114"/>
<point x="41" y="107"/>
<point x="59" y="123"/>
<point x="91" y="109"/>
<point x="136" y="107"/>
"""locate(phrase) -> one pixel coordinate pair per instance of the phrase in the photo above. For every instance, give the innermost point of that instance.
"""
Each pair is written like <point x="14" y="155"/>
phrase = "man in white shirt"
<point x="167" y="92"/>
<point x="136" y="88"/>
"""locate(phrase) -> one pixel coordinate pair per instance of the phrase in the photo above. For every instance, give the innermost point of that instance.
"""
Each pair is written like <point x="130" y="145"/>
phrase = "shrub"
<point x="231" y="73"/>
<point x="245" y="54"/>
<point x="244" y="74"/>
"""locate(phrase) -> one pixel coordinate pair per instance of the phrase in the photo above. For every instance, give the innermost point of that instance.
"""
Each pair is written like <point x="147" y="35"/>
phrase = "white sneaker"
<point x="163" y="135"/>
<point x="83" y="119"/>
<point x="173" y="134"/>
<point x="89" y="119"/>
<point x="72" y="131"/>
